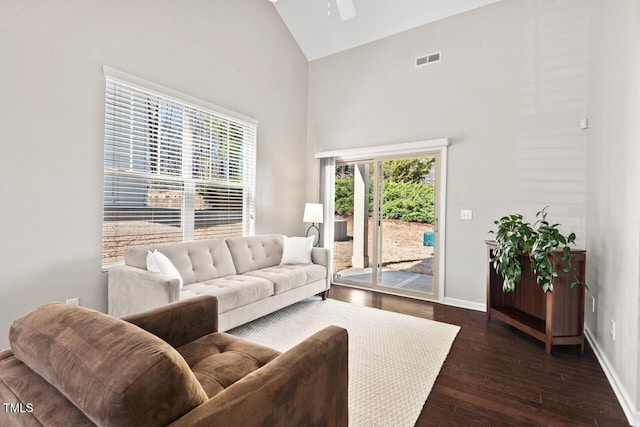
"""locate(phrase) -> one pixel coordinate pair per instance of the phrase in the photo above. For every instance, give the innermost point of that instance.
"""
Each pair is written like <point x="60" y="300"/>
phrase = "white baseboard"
<point x="629" y="408"/>
<point x="465" y="304"/>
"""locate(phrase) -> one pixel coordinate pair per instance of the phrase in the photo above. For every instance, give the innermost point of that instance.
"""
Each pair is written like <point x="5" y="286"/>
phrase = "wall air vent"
<point x="430" y="58"/>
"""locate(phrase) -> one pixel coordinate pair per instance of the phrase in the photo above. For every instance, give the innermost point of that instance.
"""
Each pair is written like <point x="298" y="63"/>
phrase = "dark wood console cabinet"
<point x="555" y="318"/>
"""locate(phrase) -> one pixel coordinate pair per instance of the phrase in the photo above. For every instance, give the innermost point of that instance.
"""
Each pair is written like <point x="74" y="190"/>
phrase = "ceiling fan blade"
<point x="346" y="9"/>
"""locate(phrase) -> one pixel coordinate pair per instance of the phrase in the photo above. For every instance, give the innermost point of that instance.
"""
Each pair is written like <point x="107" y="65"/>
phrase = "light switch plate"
<point x="584" y="123"/>
<point x="466" y="214"/>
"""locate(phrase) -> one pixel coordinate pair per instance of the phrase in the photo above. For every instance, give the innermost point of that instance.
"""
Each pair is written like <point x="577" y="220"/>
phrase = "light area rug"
<point x="394" y="359"/>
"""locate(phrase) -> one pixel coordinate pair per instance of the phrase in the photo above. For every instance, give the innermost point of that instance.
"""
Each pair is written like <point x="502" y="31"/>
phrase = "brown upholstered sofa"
<point x="72" y="366"/>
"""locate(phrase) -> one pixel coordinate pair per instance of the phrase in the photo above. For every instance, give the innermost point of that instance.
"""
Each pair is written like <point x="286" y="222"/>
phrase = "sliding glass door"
<point x="386" y="225"/>
<point x="406" y="225"/>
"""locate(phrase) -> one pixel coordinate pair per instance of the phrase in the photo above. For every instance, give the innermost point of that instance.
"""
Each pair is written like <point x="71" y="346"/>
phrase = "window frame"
<point x="240" y="130"/>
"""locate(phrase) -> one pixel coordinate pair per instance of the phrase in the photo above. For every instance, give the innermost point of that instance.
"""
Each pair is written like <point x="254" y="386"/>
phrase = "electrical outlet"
<point x="593" y="304"/>
<point x="73" y="301"/>
<point x="613" y="329"/>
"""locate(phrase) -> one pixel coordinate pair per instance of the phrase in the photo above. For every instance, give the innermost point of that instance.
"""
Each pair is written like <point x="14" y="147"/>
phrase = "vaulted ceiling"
<point x="317" y="27"/>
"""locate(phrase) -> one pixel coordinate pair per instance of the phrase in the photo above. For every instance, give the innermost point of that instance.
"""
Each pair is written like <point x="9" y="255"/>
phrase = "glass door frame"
<point x="378" y="248"/>
<point x="409" y="149"/>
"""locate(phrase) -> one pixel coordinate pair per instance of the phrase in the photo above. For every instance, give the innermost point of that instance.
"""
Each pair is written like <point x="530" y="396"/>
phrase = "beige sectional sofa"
<point x="245" y="274"/>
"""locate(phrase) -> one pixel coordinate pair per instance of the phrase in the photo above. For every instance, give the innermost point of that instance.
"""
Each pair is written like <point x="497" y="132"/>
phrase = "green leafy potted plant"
<point x="515" y="237"/>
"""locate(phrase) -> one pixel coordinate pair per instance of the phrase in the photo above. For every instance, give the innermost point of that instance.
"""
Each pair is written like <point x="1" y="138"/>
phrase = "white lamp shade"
<point x="313" y="212"/>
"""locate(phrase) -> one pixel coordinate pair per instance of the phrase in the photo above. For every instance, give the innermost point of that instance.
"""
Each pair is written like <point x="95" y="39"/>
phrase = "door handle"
<point x="435" y="225"/>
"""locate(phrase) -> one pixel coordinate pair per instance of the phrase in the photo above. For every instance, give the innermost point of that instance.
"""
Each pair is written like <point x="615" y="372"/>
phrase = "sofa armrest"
<point x="5" y="354"/>
<point x="307" y="385"/>
<point x="320" y="256"/>
<point x="181" y="322"/>
<point x="132" y="290"/>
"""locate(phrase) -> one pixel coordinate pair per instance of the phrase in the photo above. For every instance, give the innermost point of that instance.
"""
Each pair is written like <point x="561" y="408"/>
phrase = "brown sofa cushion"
<point x="20" y="384"/>
<point x="115" y="372"/>
<point x="307" y="385"/>
<point x="218" y="360"/>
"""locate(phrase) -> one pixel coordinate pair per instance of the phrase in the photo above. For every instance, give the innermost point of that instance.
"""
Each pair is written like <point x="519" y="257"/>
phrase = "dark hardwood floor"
<point x="496" y="375"/>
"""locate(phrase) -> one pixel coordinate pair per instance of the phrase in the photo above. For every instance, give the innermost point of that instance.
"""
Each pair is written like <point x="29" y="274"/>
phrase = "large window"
<point x="175" y="168"/>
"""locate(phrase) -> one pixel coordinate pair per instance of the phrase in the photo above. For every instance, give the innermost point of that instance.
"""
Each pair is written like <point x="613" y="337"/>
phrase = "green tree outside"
<point x="411" y="170"/>
<point x="407" y="196"/>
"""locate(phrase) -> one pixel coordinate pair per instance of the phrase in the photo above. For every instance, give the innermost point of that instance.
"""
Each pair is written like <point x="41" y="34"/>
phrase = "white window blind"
<point x="173" y="170"/>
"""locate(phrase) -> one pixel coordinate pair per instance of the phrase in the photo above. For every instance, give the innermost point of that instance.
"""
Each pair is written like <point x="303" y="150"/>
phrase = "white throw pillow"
<point x="158" y="262"/>
<point x="297" y="250"/>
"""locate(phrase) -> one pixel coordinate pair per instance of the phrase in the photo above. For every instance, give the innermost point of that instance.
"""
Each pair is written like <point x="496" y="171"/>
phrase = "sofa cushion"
<point x="219" y="360"/>
<point x="314" y="272"/>
<point x="231" y="291"/>
<point x="296" y="250"/>
<point x="115" y="372"/>
<point x="47" y="406"/>
<point x="289" y="276"/>
<point x="157" y="262"/>
<point x="196" y="261"/>
<point x="255" y="252"/>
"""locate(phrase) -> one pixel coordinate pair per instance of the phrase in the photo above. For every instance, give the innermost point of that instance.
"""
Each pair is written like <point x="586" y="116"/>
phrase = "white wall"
<point x="509" y="92"/>
<point x="613" y="214"/>
<point x="237" y="54"/>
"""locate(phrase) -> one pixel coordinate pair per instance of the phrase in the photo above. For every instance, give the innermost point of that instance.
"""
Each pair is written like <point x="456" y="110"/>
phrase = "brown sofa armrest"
<point x="181" y="322"/>
<point x="307" y="385"/>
